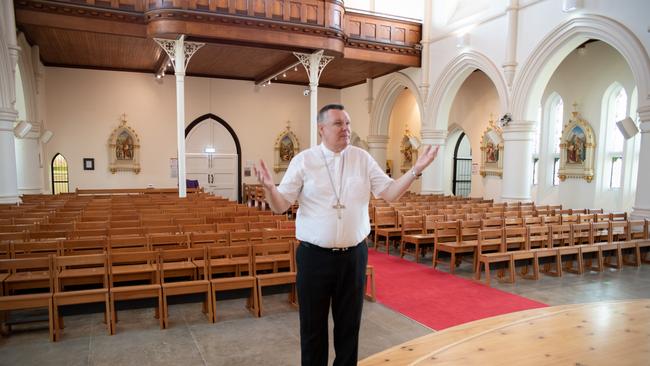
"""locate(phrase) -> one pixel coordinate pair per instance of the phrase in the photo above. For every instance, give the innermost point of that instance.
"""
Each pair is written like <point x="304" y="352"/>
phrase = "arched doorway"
<point x="213" y="156"/>
<point x="462" y="174"/>
<point x="59" y="169"/>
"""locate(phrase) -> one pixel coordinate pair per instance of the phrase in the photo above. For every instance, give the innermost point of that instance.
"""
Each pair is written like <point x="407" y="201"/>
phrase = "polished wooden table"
<point x="604" y="333"/>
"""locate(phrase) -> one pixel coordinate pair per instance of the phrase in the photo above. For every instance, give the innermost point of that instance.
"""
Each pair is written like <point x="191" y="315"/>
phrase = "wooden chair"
<point x="130" y="266"/>
<point x="244" y="237"/>
<point x="125" y="231"/>
<point x="118" y="244"/>
<point x="386" y="225"/>
<point x="279" y="251"/>
<point x="639" y="234"/>
<point x="447" y="236"/>
<point x="198" y="228"/>
<point x="33" y="300"/>
<point x="225" y="263"/>
<point x="80" y="265"/>
<point x="583" y="232"/>
<point x="168" y="241"/>
<point x="618" y="232"/>
<point x="199" y="284"/>
<point x="491" y="238"/>
<point x="540" y="237"/>
<point x="583" y="238"/>
<point x="83" y="246"/>
<point x="425" y="239"/>
<point x="200" y="239"/>
<point x="37" y="249"/>
<point x="411" y="224"/>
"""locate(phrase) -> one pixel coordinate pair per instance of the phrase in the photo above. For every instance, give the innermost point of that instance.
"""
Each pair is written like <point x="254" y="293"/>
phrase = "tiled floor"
<point x="239" y="339"/>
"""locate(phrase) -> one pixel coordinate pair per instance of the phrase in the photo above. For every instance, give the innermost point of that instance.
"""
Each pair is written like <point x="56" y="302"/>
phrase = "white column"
<point x="180" y="53"/>
<point x="377" y="147"/>
<point x="8" y="115"/>
<point x="8" y="180"/>
<point x="641" y="208"/>
<point x="510" y="63"/>
<point x="517" y="161"/>
<point x="314" y="64"/>
<point x="28" y="169"/>
<point x="433" y="177"/>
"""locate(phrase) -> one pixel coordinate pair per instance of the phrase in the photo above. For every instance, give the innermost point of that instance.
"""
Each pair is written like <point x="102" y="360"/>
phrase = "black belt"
<point x="331" y="250"/>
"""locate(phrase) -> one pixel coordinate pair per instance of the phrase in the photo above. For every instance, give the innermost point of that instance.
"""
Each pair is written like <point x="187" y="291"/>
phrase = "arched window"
<point x="59" y="175"/>
<point x="555" y="113"/>
<point x="616" y="105"/>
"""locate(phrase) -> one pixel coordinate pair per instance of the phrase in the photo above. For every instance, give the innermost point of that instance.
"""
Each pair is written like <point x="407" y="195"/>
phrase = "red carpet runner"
<point x="437" y="299"/>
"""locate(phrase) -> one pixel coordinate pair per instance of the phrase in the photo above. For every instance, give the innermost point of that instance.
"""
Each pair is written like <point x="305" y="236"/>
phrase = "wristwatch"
<point x="415" y="176"/>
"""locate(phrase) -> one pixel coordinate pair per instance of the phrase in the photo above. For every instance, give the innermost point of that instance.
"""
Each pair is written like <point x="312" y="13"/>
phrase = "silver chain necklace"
<point x="338" y="206"/>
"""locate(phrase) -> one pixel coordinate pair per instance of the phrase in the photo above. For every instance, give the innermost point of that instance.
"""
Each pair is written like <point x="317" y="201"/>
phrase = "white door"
<point x="211" y="158"/>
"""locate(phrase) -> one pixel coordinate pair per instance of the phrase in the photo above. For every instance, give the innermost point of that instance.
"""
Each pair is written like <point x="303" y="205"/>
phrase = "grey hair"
<point x="323" y="111"/>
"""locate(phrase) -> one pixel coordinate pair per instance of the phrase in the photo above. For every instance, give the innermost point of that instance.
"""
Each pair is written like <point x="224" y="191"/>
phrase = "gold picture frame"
<point x="492" y="151"/>
<point x="577" y="149"/>
<point x="408" y="151"/>
<point x="124" y="149"/>
<point x="286" y="147"/>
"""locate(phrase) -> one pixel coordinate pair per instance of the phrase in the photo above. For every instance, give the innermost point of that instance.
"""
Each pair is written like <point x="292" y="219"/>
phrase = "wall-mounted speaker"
<point x="627" y="127"/>
<point x="22" y="129"/>
<point x="46" y="136"/>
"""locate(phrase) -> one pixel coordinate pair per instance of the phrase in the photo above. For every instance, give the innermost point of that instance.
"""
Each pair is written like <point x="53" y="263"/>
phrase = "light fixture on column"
<point x="462" y="40"/>
<point x="22" y="129"/>
<point x="46" y="136"/>
<point x="571" y="5"/>
<point x="627" y="127"/>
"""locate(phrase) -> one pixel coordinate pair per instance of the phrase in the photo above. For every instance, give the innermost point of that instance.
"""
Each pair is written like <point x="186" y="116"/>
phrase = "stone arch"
<point x="380" y="116"/>
<point x="544" y="60"/>
<point x="450" y="81"/>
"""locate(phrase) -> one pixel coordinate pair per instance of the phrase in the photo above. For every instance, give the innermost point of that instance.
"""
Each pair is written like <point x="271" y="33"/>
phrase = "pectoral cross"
<point x="338" y="206"/>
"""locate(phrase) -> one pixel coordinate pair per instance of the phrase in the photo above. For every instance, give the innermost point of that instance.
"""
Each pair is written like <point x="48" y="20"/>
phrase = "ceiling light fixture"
<point x="282" y="72"/>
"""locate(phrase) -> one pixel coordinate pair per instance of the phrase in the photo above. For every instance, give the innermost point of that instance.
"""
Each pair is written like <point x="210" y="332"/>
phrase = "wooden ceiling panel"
<point x="239" y="62"/>
<point x="96" y="50"/>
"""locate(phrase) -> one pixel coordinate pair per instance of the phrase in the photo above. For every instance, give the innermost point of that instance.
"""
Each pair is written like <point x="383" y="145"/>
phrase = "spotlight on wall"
<point x="46" y="136"/>
<point x="571" y="5"/>
<point x="627" y="127"/>
<point x="22" y="129"/>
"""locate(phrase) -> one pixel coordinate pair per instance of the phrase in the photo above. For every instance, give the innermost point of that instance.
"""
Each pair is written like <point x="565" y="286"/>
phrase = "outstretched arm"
<point x="399" y="186"/>
<point x="275" y="200"/>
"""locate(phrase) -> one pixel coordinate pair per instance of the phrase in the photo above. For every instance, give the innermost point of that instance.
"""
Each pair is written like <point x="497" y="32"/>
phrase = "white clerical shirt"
<point x="307" y="181"/>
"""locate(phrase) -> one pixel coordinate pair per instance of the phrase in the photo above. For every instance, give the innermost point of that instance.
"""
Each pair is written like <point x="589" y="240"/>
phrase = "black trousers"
<point x="338" y="278"/>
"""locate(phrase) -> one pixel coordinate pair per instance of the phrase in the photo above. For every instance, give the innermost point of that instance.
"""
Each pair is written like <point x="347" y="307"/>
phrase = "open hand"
<point x="263" y="175"/>
<point x="428" y="155"/>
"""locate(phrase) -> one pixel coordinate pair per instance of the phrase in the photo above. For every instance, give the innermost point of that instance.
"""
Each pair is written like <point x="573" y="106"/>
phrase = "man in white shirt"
<point x="332" y="183"/>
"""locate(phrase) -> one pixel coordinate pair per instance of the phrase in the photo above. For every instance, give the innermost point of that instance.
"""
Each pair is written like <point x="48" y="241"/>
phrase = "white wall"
<point x="583" y="79"/>
<point x="84" y="106"/>
<point x="475" y="101"/>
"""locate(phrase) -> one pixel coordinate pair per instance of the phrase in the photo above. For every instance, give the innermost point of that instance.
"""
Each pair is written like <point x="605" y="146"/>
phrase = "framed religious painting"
<point x="286" y="147"/>
<point x="408" y="150"/>
<point x="577" y="148"/>
<point x="124" y="149"/>
<point x="492" y="151"/>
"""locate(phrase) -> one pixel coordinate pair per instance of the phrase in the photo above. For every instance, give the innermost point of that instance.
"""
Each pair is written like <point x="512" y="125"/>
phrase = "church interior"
<point x="131" y="124"/>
